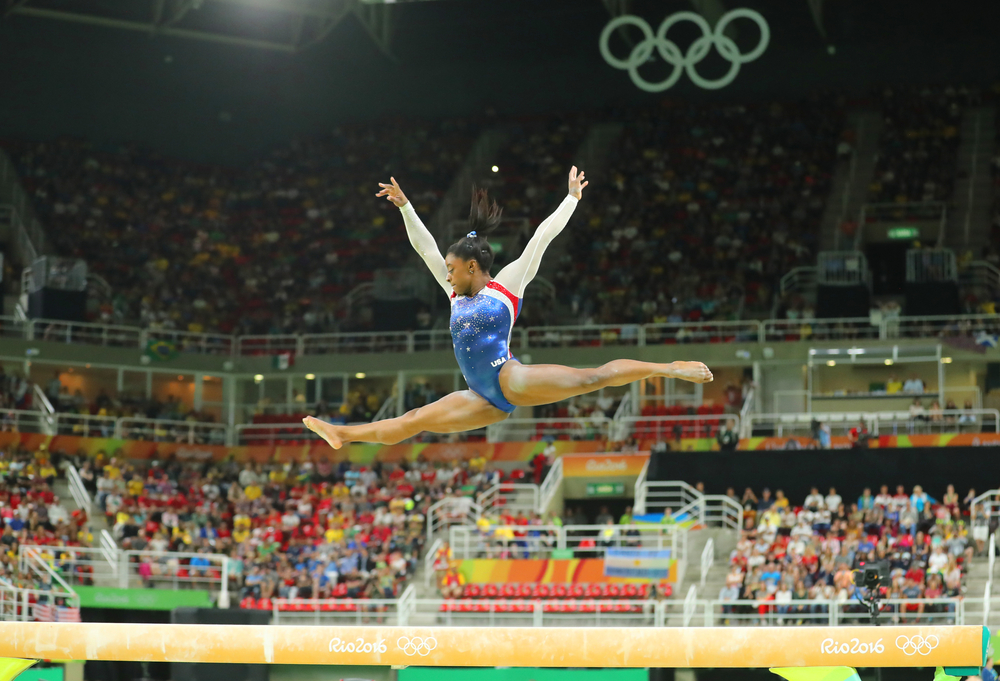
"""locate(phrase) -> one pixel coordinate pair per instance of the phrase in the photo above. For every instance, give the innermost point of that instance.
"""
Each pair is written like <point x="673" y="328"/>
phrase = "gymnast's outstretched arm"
<point x="516" y="276"/>
<point x="420" y="238"/>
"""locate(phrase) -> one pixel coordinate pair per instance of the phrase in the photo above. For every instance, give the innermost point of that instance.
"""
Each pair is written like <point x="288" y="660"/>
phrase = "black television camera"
<point x="872" y="576"/>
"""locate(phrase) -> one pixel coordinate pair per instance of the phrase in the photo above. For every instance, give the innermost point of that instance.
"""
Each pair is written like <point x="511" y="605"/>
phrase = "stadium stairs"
<point x="973" y="194"/>
<point x="849" y="187"/>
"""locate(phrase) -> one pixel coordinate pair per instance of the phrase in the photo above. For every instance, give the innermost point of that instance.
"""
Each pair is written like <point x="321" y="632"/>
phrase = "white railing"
<point x="690" y="605"/>
<point x="634" y="335"/>
<point x="33" y="562"/>
<point x="523" y="430"/>
<point x="78" y="564"/>
<point x="639" y="503"/>
<point x="535" y="612"/>
<point x="81" y="497"/>
<point x="684" y="501"/>
<point x="39" y="397"/>
<point x="878" y="423"/>
<point x="672" y="427"/>
<point x="109" y="550"/>
<point x="429" y="556"/>
<point x="551" y="486"/>
<point x="509" y="496"/>
<point x="538" y="541"/>
<point x="917" y="611"/>
<point x="18" y="604"/>
<point x="451" y="511"/>
<point x="984" y="507"/>
<point x="175" y="569"/>
<point x="164" y="430"/>
<point x="707" y="560"/>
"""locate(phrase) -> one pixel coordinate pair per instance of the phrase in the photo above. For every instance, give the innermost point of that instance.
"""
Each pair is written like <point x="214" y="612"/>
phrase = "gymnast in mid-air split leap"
<point x="483" y="311"/>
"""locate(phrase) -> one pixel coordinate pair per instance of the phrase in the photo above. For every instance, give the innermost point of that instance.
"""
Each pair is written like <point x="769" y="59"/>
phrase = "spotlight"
<point x="360" y="374"/>
<point x="495" y="169"/>
<point x="310" y="377"/>
<point x="888" y="362"/>
<point x="258" y="378"/>
<point x="831" y="363"/>
<point x="946" y="360"/>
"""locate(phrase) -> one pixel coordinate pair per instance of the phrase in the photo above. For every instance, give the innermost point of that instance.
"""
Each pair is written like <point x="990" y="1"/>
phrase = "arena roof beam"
<point x="288" y="25"/>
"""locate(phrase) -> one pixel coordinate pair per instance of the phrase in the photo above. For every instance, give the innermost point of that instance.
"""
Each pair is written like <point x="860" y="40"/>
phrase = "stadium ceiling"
<point x="282" y="25"/>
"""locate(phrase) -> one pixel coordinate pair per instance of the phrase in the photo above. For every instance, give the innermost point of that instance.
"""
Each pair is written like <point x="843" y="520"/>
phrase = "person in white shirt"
<point x="913" y="385"/>
<point x="883" y="499"/>
<point x="783" y="599"/>
<point x="815" y="500"/>
<point x="938" y="561"/>
<point x="57" y="513"/>
<point x="802" y="531"/>
<point x="833" y="500"/>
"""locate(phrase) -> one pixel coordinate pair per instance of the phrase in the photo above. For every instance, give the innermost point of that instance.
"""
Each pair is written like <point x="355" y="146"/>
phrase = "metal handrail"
<point x="78" y="491"/>
<point x="707" y="559"/>
<point x="749" y="331"/>
<point x="550" y="486"/>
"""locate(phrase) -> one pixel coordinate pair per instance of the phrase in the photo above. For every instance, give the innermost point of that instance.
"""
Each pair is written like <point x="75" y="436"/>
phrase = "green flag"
<point x="161" y="350"/>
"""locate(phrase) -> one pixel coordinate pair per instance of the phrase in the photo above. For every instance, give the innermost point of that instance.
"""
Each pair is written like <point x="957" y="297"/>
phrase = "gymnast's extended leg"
<point x="532" y="385"/>
<point x="455" y="413"/>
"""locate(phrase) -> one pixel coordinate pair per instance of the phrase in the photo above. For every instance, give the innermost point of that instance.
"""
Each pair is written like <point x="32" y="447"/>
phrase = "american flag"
<point x="50" y="613"/>
<point x="67" y="614"/>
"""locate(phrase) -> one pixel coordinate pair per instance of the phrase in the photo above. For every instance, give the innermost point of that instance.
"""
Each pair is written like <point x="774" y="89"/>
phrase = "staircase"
<point x="849" y="187"/>
<point x="969" y="224"/>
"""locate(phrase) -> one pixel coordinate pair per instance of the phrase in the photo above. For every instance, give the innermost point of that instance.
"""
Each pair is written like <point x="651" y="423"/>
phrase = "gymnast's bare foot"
<point x="324" y="430"/>
<point x="696" y="372"/>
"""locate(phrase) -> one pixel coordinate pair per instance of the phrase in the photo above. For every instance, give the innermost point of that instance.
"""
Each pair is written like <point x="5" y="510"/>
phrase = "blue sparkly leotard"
<point x="481" y="324"/>
<point x="480" y="332"/>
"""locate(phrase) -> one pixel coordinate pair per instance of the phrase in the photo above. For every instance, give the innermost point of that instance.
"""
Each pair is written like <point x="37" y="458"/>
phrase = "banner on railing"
<point x="637" y="563"/>
<point x="539" y="571"/>
<point x="142" y="599"/>
<point x="603" y="465"/>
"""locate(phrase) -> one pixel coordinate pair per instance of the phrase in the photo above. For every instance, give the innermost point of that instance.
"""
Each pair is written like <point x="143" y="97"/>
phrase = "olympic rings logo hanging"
<point x="917" y="644"/>
<point x="416" y="645"/>
<point x="687" y="61"/>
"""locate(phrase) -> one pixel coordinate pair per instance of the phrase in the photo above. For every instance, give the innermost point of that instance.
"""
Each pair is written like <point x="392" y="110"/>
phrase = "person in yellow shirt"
<point x="893" y="385"/>
<point x="240" y="536"/>
<point x="334" y="534"/>
<point x="135" y="486"/>
<point x="112" y="470"/>
<point x="780" y="501"/>
<point x="278" y="475"/>
<point x="47" y="472"/>
<point x="253" y="492"/>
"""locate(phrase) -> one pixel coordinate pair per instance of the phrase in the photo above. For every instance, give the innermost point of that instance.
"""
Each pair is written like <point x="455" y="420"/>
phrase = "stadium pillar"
<point x="198" y="391"/>
<point x="400" y="393"/>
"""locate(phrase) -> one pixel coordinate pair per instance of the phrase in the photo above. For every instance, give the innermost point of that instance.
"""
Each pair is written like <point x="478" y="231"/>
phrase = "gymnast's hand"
<point x="576" y="183"/>
<point x="393" y="193"/>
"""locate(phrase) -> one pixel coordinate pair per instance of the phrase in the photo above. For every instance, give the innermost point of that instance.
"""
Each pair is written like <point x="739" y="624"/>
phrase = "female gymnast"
<point x="483" y="311"/>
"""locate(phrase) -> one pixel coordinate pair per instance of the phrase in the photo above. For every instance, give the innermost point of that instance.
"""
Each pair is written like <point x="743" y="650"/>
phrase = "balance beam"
<point x="911" y="646"/>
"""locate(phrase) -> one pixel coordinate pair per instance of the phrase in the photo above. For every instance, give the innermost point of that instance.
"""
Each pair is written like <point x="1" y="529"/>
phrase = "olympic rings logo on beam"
<point x="698" y="50"/>
<point x="917" y="644"/>
<point x="416" y="645"/>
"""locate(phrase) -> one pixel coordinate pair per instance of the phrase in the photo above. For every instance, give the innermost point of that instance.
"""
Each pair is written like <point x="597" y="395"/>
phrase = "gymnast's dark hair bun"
<point x="484" y="217"/>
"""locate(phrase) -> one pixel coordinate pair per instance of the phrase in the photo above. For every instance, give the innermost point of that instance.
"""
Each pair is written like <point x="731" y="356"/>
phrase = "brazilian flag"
<point x="161" y="350"/>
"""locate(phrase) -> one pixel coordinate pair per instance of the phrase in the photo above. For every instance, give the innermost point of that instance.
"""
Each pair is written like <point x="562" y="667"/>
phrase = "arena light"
<point x="495" y="169"/>
<point x="360" y="374"/>
<point x="258" y="378"/>
<point x="310" y="377"/>
<point x="946" y="360"/>
<point x="831" y="363"/>
<point x="888" y="362"/>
